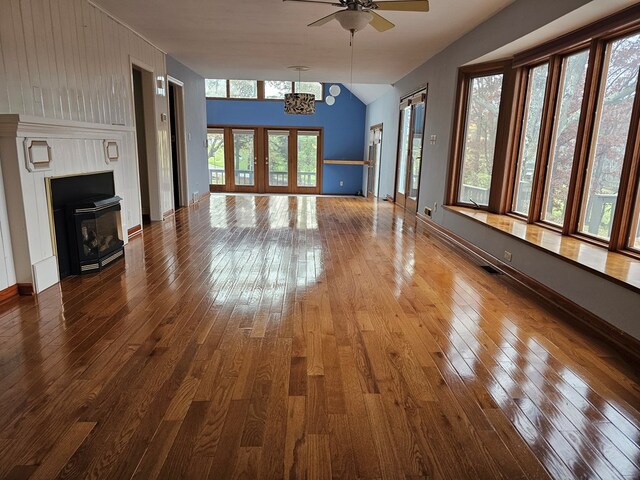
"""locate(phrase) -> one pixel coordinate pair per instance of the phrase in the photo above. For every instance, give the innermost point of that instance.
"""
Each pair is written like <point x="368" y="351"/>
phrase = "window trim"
<point x="594" y="38"/>
<point x="465" y="75"/>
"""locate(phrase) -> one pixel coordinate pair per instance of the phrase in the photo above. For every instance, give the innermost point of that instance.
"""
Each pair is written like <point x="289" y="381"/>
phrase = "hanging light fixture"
<point x="299" y="103"/>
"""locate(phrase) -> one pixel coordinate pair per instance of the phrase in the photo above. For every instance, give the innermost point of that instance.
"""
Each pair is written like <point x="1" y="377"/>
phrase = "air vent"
<point x="490" y="270"/>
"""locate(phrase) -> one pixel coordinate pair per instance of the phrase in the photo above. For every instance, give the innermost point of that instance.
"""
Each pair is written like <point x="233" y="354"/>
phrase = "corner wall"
<point x="195" y="119"/>
<point x="608" y="300"/>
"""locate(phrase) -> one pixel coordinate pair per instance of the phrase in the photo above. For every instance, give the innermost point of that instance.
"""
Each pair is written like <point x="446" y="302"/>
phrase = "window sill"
<point x="617" y="267"/>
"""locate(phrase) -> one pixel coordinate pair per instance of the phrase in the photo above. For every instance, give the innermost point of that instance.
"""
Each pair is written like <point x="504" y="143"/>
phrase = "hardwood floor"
<point x="282" y="337"/>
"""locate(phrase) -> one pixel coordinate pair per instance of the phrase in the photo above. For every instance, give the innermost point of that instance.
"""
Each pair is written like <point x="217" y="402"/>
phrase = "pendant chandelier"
<point x="300" y="103"/>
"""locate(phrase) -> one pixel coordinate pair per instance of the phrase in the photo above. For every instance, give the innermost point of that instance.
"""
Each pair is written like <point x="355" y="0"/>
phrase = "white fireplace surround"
<point x="33" y="149"/>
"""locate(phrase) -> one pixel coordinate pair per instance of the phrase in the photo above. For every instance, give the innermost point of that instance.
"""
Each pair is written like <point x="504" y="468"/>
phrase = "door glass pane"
<point x="416" y="149"/>
<point x="243" y="157"/>
<point x="480" y="139"/>
<point x="215" y="154"/>
<point x="530" y="137"/>
<point x="574" y="72"/>
<point x="371" y="169"/>
<point x="215" y="88"/>
<point x="243" y="89"/>
<point x="405" y="126"/>
<point x="275" y="89"/>
<point x="307" y="159"/>
<point x="620" y="77"/>
<point x="278" y="158"/>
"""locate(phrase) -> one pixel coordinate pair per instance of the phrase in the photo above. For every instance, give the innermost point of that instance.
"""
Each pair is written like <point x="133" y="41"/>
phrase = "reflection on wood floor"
<point x="283" y="337"/>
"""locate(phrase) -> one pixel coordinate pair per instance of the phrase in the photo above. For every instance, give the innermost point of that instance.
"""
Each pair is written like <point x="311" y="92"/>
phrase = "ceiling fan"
<point x="357" y="14"/>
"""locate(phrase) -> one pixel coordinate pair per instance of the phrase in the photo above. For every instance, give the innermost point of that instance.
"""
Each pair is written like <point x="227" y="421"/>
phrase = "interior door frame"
<point x="404" y="200"/>
<point x="181" y="131"/>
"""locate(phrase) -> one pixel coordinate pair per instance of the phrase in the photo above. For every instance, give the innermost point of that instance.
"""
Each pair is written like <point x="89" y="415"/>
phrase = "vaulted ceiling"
<point x="259" y="39"/>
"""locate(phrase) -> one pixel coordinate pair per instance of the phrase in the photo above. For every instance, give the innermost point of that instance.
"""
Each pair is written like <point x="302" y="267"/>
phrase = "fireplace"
<point x="86" y="215"/>
<point x="94" y="233"/>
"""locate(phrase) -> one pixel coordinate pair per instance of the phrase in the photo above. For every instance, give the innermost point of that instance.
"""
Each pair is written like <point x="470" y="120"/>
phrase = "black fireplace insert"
<point x="94" y="233"/>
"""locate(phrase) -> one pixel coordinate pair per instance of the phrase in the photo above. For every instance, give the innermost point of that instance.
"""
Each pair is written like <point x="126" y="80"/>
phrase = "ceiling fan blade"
<point x="323" y="20"/>
<point x="316" y="1"/>
<point x="404" y="6"/>
<point x="380" y="23"/>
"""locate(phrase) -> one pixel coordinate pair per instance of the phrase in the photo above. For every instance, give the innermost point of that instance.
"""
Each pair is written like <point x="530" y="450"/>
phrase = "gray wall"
<point x="195" y="113"/>
<point x="606" y="299"/>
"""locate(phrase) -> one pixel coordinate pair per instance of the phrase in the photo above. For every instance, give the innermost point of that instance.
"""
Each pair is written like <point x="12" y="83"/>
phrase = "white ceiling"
<point x="259" y="39"/>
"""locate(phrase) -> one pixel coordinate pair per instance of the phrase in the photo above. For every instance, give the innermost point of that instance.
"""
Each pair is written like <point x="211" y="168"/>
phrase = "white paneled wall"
<point x="67" y="60"/>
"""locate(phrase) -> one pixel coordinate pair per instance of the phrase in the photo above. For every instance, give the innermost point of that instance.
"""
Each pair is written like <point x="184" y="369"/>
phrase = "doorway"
<point x="141" y="142"/>
<point x="143" y="88"/>
<point x="375" y="152"/>
<point x="265" y="159"/>
<point x="410" y="145"/>
<point x="178" y="143"/>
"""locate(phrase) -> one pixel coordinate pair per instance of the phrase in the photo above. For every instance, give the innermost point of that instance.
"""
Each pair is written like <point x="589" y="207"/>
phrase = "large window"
<point x="561" y="145"/>
<point x="620" y="78"/>
<point x="216" y="88"/>
<point x="309" y="87"/>
<point x="243" y="89"/>
<point x="480" y="139"/>
<point x="532" y="125"/>
<point x="276" y="90"/>
<point x="565" y="132"/>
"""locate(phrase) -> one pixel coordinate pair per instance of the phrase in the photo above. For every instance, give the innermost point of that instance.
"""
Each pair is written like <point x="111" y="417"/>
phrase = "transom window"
<point x="259" y="89"/>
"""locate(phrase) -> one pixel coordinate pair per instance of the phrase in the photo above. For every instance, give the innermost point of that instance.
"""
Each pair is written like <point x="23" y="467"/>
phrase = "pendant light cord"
<point x="351" y="43"/>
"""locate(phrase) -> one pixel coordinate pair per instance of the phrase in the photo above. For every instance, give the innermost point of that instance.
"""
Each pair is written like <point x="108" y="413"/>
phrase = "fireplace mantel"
<point x="33" y="149"/>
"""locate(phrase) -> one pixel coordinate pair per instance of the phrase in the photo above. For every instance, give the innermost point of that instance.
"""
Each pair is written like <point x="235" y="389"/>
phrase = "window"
<point x="259" y="89"/>
<point x="309" y="87"/>
<point x="276" y="90"/>
<point x="243" y="89"/>
<point x="215" y="88"/>
<point x="480" y="138"/>
<point x="278" y="157"/>
<point x="572" y="106"/>
<point x="574" y="72"/>
<point x="244" y="157"/>
<point x="531" y="127"/>
<point x="215" y="153"/>
<point x="619" y="80"/>
<point x="405" y="130"/>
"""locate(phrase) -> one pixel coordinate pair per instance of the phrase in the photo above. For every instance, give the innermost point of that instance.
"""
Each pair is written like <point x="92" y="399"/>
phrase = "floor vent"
<point x="489" y="269"/>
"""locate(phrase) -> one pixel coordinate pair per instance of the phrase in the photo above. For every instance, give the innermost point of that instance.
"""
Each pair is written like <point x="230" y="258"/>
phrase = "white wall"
<point x="381" y="111"/>
<point x="67" y="60"/>
<point x="608" y="300"/>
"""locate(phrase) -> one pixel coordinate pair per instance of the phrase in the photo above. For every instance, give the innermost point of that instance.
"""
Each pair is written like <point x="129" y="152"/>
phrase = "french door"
<point x="375" y="149"/>
<point x="410" y="144"/>
<point x="265" y="159"/>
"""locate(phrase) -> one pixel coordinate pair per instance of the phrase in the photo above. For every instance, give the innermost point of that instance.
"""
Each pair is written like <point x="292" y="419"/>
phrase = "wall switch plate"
<point x="508" y="256"/>
<point x="341" y="183"/>
<point x="195" y="196"/>
<point x="433" y="139"/>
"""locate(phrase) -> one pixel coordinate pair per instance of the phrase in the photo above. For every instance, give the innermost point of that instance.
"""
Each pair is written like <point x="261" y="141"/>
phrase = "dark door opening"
<point x="141" y="140"/>
<point x="174" y="146"/>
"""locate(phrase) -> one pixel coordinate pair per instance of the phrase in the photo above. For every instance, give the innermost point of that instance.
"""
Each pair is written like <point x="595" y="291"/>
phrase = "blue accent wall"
<point x="343" y="127"/>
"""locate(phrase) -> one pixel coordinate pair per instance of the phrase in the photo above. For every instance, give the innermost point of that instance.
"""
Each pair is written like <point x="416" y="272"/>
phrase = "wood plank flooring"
<point x="283" y="337"/>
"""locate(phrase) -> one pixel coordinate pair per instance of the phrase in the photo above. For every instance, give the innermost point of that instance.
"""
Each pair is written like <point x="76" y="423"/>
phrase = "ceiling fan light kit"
<point x="354" y="20"/>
